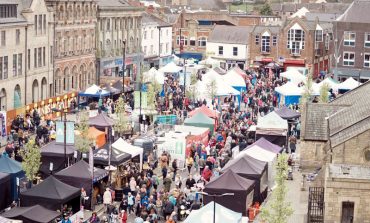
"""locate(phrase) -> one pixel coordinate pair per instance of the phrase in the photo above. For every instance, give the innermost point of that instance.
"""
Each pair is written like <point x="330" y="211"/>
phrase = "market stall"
<point x="117" y="157"/>
<point x="52" y="194"/>
<point x="14" y="168"/>
<point x="347" y="85"/>
<point x="32" y="214"/>
<point x="206" y="213"/>
<point x="80" y="175"/>
<point x="288" y="94"/>
<point x="287" y="113"/>
<point x="273" y="128"/>
<point x="97" y="135"/>
<point x="230" y="182"/>
<point x="125" y="147"/>
<point x="5" y="190"/>
<point x="101" y="121"/>
<point x="253" y="169"/>
<point x="294" y="76"/>
<point x="193" y="135"/>
<point x="200" y="120"/>
<point x="333" y="84"/>
<point x="235" y="80"/>
<point x="53" y="152"/>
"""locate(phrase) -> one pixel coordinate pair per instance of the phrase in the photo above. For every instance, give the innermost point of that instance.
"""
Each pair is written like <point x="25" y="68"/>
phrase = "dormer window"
<point x="8" y="11"/>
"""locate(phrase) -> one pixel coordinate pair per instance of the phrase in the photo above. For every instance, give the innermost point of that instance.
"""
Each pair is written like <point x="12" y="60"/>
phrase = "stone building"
<point x="26" y="45"/>
<point x="345" y="154"/>
<point x="74" y="51"/>
<point x="119" y="26"/>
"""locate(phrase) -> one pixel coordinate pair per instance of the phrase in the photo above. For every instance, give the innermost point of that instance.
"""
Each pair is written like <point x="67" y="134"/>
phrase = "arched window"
<point x="202" y="42"/>
<point x="17" y="97"/>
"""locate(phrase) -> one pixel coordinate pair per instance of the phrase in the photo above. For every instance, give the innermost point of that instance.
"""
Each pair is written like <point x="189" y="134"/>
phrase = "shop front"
<point x="43" y="108"/>
<point x="112" y="67"/>
<point x="153" y="61"/>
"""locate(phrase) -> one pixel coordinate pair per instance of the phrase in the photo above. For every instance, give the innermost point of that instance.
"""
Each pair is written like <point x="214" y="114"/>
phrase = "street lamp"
<point x="123" y="67"/>
<point x="214" y="201"/>
<point x="65" y="129"/>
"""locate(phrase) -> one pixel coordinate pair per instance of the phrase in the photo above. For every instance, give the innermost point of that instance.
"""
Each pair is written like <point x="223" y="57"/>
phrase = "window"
<point x="3" y="38"/>
<point x="29" y="59"/>
<point x="5" y="72"/>
<point x="35" y="57"/>
<point x="151" y="50"/>
<point x="40" y="23"/>
<point x="348" y="59"/>
<point x="152" y="34"/>
<point x="108" y="24"/>
<point x="145" y="50"/>
<point x="257" y="39"/>
<point x="367" y="60"/>
<point x="43" y="57"/>
<point x="184" y="41"/>
<point x="192" y="41"/>
<point x="20" y="64"/>
<point x="36" y="24"/>
<point x="14" y="65"/>
<point x="274" y="40"/>
<point x="296" y="40"/>
<point x="220" y="50"/>
<point x="367" y="40"/>
<point x="145" y="32"/>
<point x="349" y="38"/>
<point x="51" y="54"/>
<point x="44" y="21"/>
<point x="167" y="46"/>
<point x="202" y="42"/>
<point x="8" y="11"/>
<point x="235" y="51"/>
<point x="17" y="36"/>
<point x="265" y="44"/>
<point x="318" y="35"/>
<point x="1" y="68"/>
<point x="39" y="57"/>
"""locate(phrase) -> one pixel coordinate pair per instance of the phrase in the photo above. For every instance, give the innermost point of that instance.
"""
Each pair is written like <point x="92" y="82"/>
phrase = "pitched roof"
<point x="149" y="18"/>
<point x="271" y="29"/>
<point x="8" y="165"/>
<point x="357" y="12"/>
<point x="315" y="123"/>
<point x="312" y="7"/>
<point x="321" y="16"/>
<point x="230" y="34"/>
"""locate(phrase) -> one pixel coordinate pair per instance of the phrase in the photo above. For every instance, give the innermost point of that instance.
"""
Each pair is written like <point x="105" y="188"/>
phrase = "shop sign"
<point x="70" y="137"/>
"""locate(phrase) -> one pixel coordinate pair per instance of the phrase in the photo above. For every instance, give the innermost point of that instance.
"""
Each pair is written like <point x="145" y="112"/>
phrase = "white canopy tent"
<point x="330" y="82"/>
<point x="210" y="76"/>
<point x="348" y="84"/>
<point x="294" y="76"/>
<point x="154" y="74"/>
<point x="232" y="78"/>
<point x="272" y="123"/>
<point x="222" y="89"/>
<point x="205" y="214"/>
<point x="211" y="62"/>
<point x="126" y="147"/>
<point x="259" y="153"/>
<point x="94" y="90"/>
<point x="170" y="68"/>
<point x="289" y="89"/>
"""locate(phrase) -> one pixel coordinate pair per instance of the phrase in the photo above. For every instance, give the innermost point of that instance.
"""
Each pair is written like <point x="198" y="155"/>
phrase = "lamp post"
<point x="64" y="130"/>
<point x="214" y="201"/>
<point x="123" y="67"/>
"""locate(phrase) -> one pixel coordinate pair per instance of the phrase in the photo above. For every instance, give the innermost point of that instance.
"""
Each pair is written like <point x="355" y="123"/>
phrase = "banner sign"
<point x="70" y="136"/>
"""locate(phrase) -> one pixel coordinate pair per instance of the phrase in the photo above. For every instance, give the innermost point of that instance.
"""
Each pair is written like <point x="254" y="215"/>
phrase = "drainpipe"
<point x="54" y="55"/>
<point x="26" y="67"/>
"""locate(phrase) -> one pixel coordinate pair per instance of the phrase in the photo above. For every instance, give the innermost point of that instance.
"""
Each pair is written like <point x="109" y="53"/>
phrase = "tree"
<point x="153" y="89"/>
<point x="212" y="89"/>
<point x="31" y="159"/>
<point x="307" y="91"/>
<point x="122" y="123"/>
<point x="266" y="9"/>
<point x="192" y="91"/>
<point x="278" y="210"/>
<point x="324" y="93"/>
<point x="83" y="141"/>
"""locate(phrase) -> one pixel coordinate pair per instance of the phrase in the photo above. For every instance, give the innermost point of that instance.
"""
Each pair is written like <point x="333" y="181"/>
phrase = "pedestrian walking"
<point x="189" y="163"/>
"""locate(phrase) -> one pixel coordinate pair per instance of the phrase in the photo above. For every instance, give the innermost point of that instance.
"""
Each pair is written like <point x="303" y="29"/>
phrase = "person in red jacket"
<point x="207" y="174"/>
<point x="123" y="216"/>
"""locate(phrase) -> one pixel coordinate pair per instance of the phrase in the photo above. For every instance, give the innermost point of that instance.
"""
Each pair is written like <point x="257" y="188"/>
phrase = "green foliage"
<point x="212" y="89"/>
<point x="324" y="93"/>
<point x="82" y="141"/>
<point x="191" y="90"/>
<point x="31" y="159"/>
<point x="307" y="91"/>
<point x="266" y="9"/>
<point x="153" y="89"/>
<point x="278" y="210"/>
<point x="122" y="123"/>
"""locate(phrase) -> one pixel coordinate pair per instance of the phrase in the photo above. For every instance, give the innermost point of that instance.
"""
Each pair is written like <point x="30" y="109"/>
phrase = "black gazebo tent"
<point x="249" y="168"/>
<point x="54" y="153"/>
<point x="5" y="190"/>
<point x="101" y="121"/>
<point x="79" y="175"/>
<point x="230" y="182"/>
<point x="14" y="168"/>
<point x="52" y="194"/>
<point x="101" y="157"/>
<point x="33" y="214"/>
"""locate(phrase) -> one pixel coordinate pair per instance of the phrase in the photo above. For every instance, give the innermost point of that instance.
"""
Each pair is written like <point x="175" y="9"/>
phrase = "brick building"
<point x="298" y="43"/>
<point x="74" y="41"/>
<point x="194" y="29"/>
<point x="352" y="30"/>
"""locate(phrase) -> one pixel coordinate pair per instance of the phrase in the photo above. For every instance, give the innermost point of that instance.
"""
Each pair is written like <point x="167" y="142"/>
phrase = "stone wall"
<point x="312" y="154"/>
